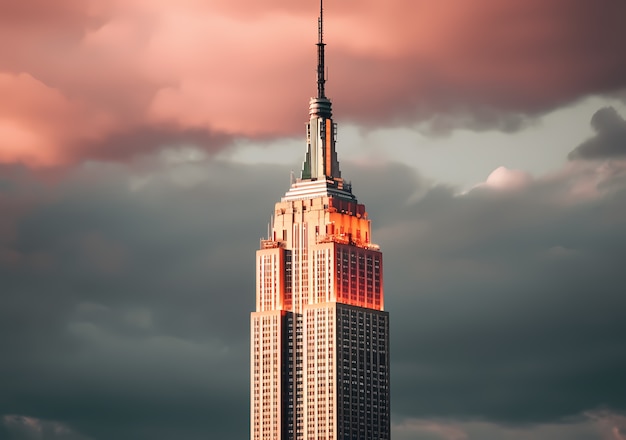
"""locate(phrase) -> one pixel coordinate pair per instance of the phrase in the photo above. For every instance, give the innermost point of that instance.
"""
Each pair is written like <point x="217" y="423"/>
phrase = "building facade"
<point x="320" y="335"/>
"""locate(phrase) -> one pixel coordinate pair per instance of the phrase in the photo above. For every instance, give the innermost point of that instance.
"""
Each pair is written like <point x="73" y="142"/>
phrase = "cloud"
<point x="430" y="429"/>
<point x="135" y="326"/>
<point x="505" y="179"/>
<point x="16" y="427"/>
<point x="610" y="138"/>
<point x="225" y="69"/>
<point x="593" y="426"/>
<point x="612" y="425"/>
<point x="144" y="139"/>
<point x="484" y="308"/>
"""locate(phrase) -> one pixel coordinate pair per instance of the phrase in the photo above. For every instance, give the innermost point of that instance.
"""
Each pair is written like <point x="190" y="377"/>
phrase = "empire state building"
<point x="320" y="336"/>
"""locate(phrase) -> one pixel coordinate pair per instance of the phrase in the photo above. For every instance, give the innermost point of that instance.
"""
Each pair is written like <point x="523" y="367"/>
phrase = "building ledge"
<point x="346" y="239"/>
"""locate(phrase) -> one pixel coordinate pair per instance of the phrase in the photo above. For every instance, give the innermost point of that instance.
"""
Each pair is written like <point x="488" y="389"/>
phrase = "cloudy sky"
<point x="143" y="144"/>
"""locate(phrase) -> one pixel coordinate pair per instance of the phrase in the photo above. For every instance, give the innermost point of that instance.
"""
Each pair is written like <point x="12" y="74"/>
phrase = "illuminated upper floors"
<point x="290" y="279"/>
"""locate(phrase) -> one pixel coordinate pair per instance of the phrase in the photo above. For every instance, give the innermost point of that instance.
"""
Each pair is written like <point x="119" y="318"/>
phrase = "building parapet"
<point x="346" y="239"/>
<point x="271" y="244"/>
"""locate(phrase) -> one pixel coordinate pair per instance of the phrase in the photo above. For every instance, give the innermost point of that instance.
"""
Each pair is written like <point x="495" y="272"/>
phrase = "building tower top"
<point x="320" y="171"/>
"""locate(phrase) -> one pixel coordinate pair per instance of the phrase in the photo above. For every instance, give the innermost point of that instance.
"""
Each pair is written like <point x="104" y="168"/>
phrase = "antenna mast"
<point x="320" y="54"/>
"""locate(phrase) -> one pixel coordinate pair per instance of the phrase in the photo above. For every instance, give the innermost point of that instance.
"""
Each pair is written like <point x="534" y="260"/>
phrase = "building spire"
<point x="320" y="54"/>
<point x="320" y="105"/>
<point x="321" y="158"/>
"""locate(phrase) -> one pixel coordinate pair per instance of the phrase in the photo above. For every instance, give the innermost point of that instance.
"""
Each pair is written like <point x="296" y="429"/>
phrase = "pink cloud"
<point x="82" y="74"/>
<point x="505" y="179"/>
<point x="612" y="425"/>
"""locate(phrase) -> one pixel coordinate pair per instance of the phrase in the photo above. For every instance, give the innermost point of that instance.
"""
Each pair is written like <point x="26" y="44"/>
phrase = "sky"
<point x="143" y="145"/>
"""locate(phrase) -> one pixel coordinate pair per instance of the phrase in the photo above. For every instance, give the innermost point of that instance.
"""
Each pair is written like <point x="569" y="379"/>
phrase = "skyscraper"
<point x="320" y="336"/>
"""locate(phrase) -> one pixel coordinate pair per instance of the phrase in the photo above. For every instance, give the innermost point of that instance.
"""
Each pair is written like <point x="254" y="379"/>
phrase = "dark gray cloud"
<point x="124" y="301"/>
<point x="610" y="138"/>
<point x="126" y="291"/>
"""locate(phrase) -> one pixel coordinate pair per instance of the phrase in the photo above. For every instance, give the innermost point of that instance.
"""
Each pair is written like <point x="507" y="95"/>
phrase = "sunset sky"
<point x="143" y="144"/>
